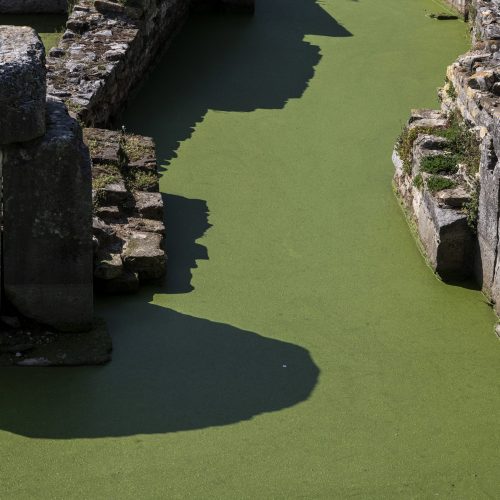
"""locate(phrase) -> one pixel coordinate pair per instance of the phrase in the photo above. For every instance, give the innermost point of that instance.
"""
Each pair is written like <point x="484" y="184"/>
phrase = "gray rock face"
<point x="22" y="85"/>
<point x="487" y="228"/>
<point x="446" y="237"/>
<point x="48" y="236"/>
<point x="33" y="6"/>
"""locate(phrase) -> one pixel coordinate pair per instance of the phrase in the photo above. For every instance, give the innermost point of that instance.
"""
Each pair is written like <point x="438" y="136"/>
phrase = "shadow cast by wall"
<point x="230" y="63"/>
<point x="187" y="221"/>
<point x="170" y="372"/>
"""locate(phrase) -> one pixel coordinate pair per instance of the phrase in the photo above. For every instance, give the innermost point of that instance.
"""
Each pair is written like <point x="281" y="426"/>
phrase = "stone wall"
<point x="436" y="200"/>
<point x="473" y="89"/>
<point x="108" y="49"/>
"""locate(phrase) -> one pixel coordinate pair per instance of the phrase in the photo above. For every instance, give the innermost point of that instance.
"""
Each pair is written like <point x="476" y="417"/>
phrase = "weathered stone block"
<point x="446" y="237"/>
<point x="149" y="205"/>
<point x="48" y="225"/>
<point x="22" y="84"/>
<point x="142" y="254"/>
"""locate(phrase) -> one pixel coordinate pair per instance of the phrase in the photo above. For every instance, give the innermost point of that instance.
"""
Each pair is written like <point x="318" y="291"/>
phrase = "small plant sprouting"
<point x="450" y="89"/>
<point x="104" y="180"/>
<point x="142" y="181"/>
<point x="418" y="181"/>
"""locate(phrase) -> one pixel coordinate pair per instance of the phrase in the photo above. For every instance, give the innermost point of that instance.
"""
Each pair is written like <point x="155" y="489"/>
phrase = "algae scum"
<point x="300" y="348"/>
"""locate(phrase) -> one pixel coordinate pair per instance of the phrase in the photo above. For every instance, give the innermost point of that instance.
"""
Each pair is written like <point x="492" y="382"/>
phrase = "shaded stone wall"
<point x="46" y="193"/>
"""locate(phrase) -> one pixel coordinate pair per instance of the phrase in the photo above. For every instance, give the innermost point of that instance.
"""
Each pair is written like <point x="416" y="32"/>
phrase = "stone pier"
<point x="46" y="193"/>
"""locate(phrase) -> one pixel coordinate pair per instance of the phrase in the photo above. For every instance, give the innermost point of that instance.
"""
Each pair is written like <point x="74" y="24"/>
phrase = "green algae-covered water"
<point x="300" y="348"/>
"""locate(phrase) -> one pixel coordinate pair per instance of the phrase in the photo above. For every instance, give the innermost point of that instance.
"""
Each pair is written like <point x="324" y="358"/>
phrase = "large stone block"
<point x="48" y="225"/>
<point x="446" y="237"/>
<point x="22" y="84"/>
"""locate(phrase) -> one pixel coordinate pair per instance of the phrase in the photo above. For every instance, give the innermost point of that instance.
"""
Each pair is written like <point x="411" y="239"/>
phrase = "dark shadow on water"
<point x="230" y="63"/>
<point x="187" y="221"/>
<point x="170" y="372"/>
<point x="225" y="63"/>
<point x="42" y="23"/>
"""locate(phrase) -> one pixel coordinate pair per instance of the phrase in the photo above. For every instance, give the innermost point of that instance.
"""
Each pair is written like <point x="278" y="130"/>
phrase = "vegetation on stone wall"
<point x="440" y="164"/>
<point x="437" y="183"/>
<point x="462" y="144"/>
<point x="405" y="142"/>
<point x="418" y="181"/>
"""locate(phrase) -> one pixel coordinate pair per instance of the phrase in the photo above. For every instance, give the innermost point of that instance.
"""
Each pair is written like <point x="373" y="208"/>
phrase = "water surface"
<point x="300" y="348"/>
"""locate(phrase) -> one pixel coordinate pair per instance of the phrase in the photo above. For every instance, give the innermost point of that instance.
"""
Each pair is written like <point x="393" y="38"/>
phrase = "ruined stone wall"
<point x="475" y="80"/>
<point x="106" y="52"/>
<point x="108" y="49"/>
<point x="472" y="88"/>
